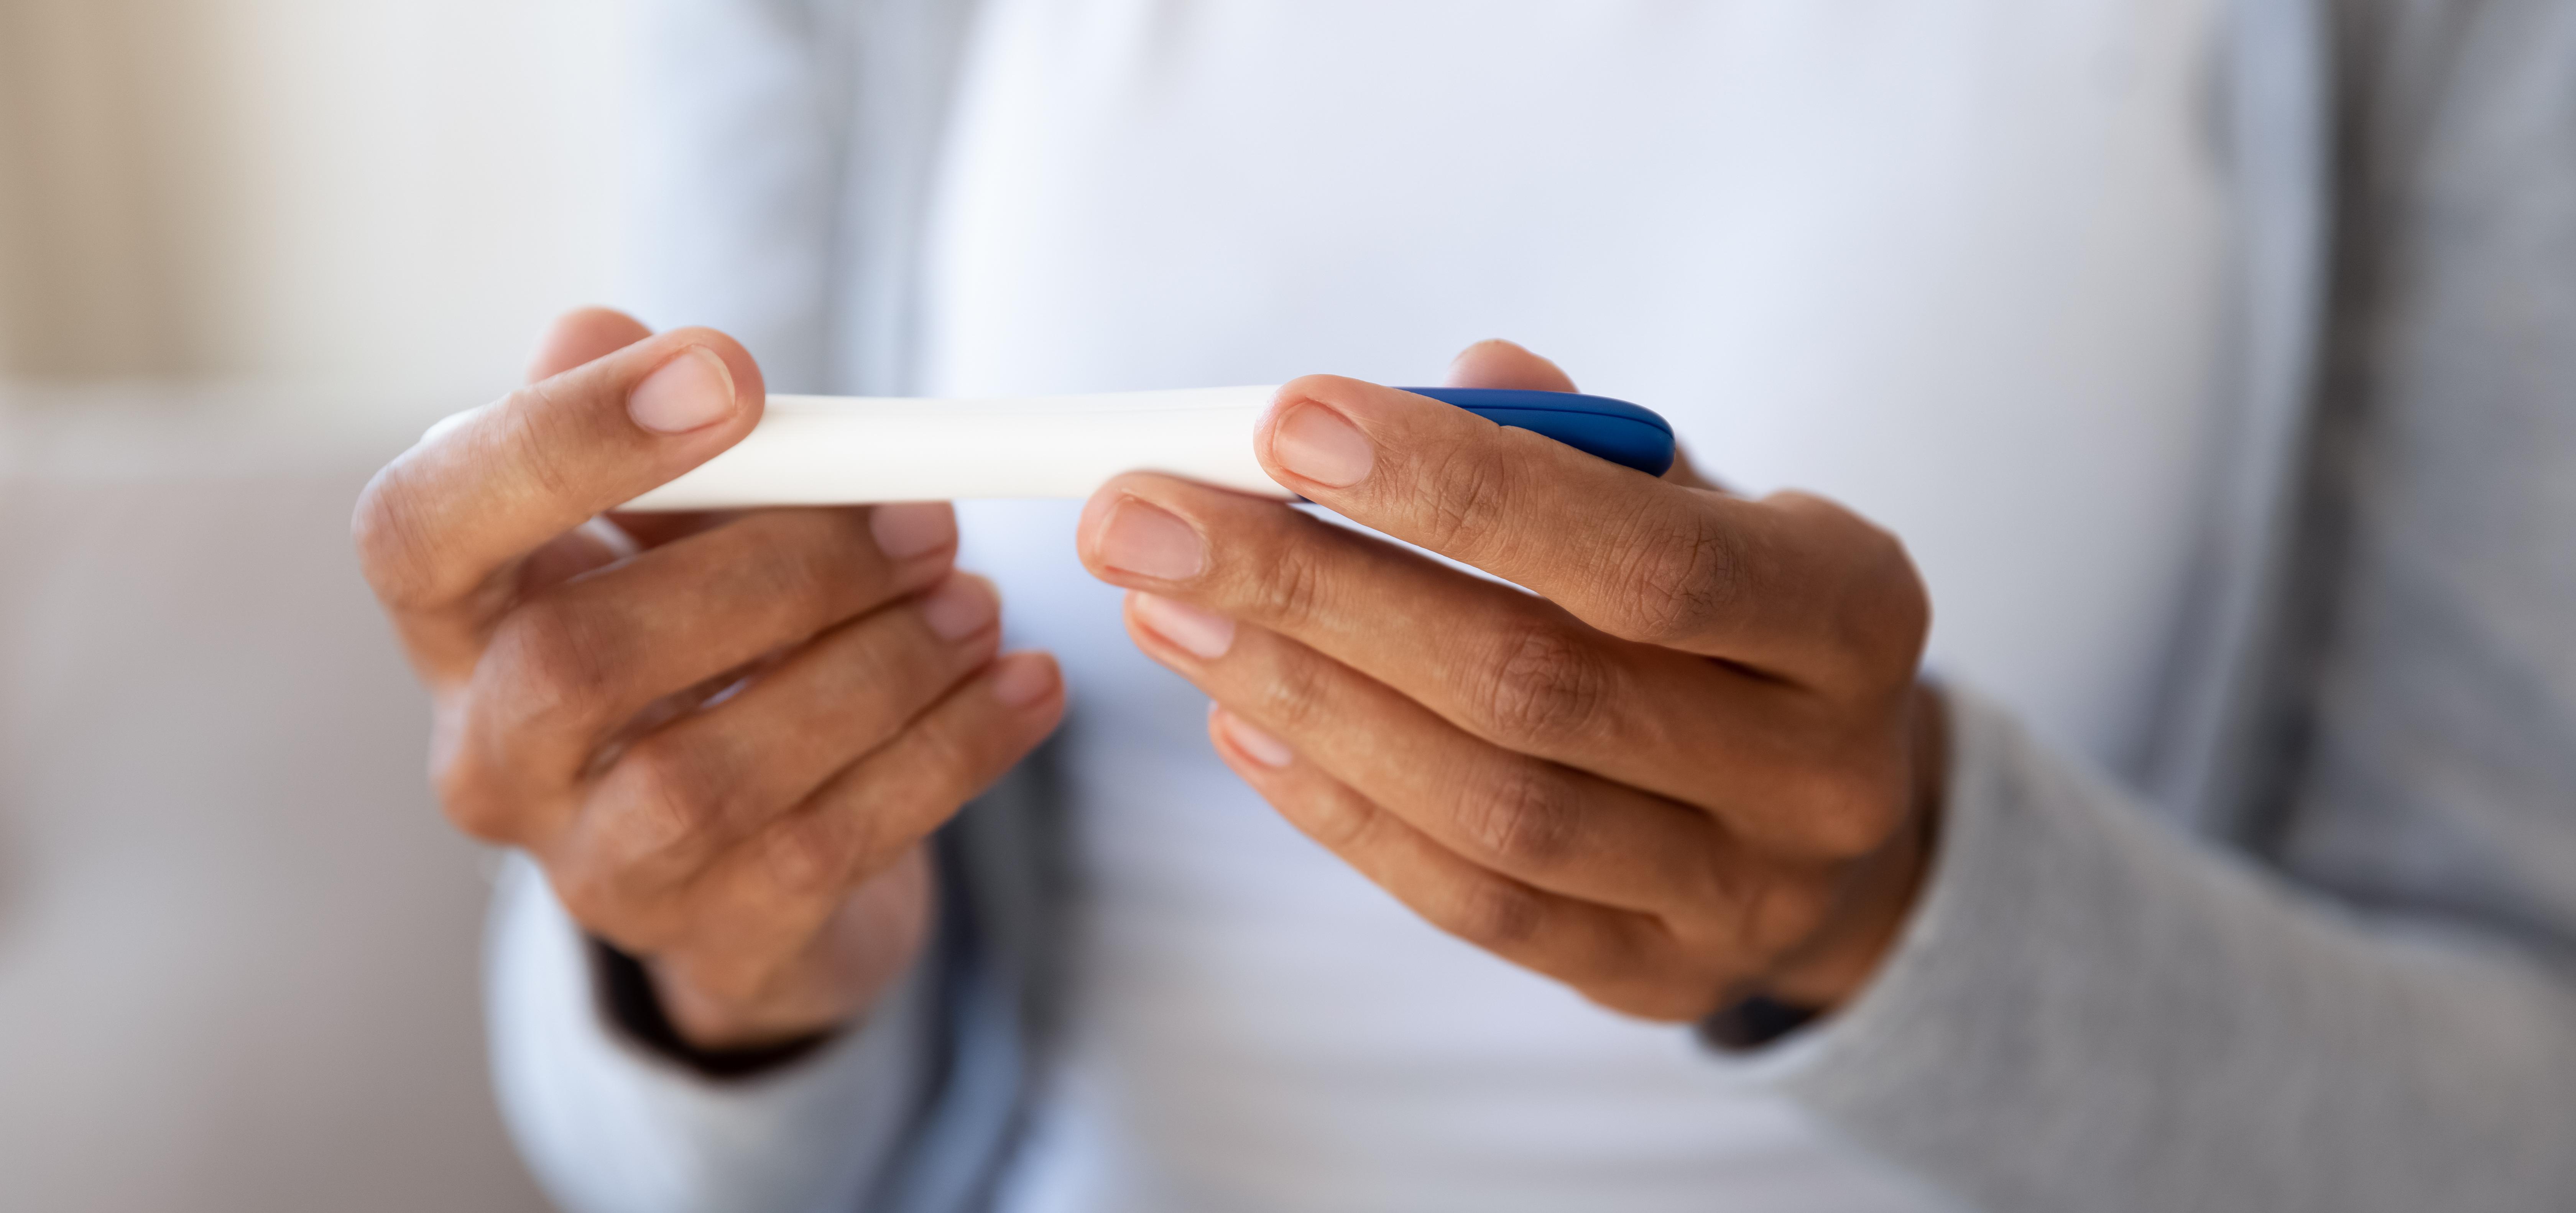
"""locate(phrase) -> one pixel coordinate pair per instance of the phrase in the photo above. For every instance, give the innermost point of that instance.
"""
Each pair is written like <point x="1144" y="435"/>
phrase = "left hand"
<point x="1695" y="764"/>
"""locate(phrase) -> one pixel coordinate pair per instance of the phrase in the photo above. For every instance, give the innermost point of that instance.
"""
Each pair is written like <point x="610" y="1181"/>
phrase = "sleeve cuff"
<point x="634" y="1008"/>
<point x="1775" y="1048"/>
<point x="608" y="1123"/>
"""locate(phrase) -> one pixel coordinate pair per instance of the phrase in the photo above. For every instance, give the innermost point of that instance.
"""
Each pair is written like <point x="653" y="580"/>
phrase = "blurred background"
<point x="382" y="196"/>
<point x="248" y="248"/>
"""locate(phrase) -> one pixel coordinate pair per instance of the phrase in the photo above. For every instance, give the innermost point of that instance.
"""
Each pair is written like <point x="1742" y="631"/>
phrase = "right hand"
<point x="760" y="851"/>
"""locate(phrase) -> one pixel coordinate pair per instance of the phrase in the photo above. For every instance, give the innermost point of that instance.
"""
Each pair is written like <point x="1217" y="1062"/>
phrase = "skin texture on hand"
<point x="1691" y="764"/>
<point x="723" y="737"/>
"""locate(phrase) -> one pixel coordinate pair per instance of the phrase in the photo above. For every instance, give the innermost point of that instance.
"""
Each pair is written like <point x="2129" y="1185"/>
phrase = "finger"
<point x="592" y="546"/>
<point x="653" y="528"/>
<point x="580" y="336"/>
<point x="587" y="335"/>
<point x="1634" y="556"/>
<point x="874" y="811"/>
<point x="685" y="794"/>
<point x="1537" y="822"/>
<point x="1600" y="950"/>
<point x="1495" y="363"/>
<point x="1506" y="667"/>
<point x="438" y="527"/>
<point x="739" y="982"/>
<point x="573" y="666"/>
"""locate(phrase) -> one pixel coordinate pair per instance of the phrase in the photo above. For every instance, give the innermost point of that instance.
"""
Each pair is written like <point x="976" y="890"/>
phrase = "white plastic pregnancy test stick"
<point x="844" y="450"/>
<point x="825" y="450"/>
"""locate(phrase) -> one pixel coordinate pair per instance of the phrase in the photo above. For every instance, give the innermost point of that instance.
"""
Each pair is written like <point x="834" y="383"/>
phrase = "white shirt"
<point x="1952" y="261"/>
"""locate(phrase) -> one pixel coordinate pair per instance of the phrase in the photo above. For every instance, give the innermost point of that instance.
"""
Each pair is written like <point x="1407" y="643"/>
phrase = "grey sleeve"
<point x="609" y="1126"/>
<point x="2092" y="1012"/>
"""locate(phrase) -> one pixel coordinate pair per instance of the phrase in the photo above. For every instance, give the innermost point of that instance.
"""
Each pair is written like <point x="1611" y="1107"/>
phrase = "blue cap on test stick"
<point x="1614" y="430"/>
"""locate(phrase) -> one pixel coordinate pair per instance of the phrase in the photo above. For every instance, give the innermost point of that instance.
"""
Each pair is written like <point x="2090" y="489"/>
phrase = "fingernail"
<point x="1204" y="633"/>
<point x="907" y="529"/>
<point x="1263" y="748"/>
<point x="959" y="608"/>
<point x="692" y="391"/>
<point x="1150" y="541"/>
<point x="1319" y="444"/>
<point x="1024" y="679"/>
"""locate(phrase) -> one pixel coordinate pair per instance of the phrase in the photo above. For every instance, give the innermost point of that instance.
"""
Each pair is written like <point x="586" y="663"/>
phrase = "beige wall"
<point x="345" y="192"/>
<point x="246" y="248"/>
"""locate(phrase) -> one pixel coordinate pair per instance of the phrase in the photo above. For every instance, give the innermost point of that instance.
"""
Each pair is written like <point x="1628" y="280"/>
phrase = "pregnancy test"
<point x="825" y="450"/>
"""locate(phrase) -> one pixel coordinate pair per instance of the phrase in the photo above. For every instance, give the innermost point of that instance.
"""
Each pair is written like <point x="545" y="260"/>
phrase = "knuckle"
<point x="882" y="681"/>
<point x="810" y="568"/>
<point x="811" y="851"/>
<point x="472" y="806"/>
<point x="1497" y="915"/>
<point x="1343" y="825"/>
<point x="1893" y="605"/>
<point x="680" y="791"/>
<point x="470" y="792"/>
<point x="1776" y="914"/>
<point x="1293" y="590"/>
<point x="1680" y="574"/>
<point x="1463" y="500"/>
<point x="1294" y="699"/>
<point x="1340" y="820"/>
<point x="1878" y="606"/>
<point x="531" y="417"/>
<point x="556" y="663"/>
<point x="589" y="894"/>
<point x="1546" y="691"/>
<point x="1849" y="808"/>
<point x="955" y="755"/>
<point x="1524" y="820"/>
<point x="393" y="542"/>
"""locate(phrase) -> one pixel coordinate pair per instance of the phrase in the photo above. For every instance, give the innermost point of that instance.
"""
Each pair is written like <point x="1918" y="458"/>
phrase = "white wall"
<point x="365" y="194"/>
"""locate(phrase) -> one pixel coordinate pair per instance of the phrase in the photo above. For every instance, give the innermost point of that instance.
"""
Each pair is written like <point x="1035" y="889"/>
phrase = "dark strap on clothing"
<point x="635" y="1008"/>
<point x="1753" y="1023"/>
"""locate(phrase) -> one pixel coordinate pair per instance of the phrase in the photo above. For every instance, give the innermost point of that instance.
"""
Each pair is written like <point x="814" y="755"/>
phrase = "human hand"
<point x="1695" y="764"/>
<point x="723" y="737"/>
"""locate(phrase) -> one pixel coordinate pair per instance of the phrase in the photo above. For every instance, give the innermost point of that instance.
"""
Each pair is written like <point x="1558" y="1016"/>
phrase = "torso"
<point x="1953" y="262"/>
